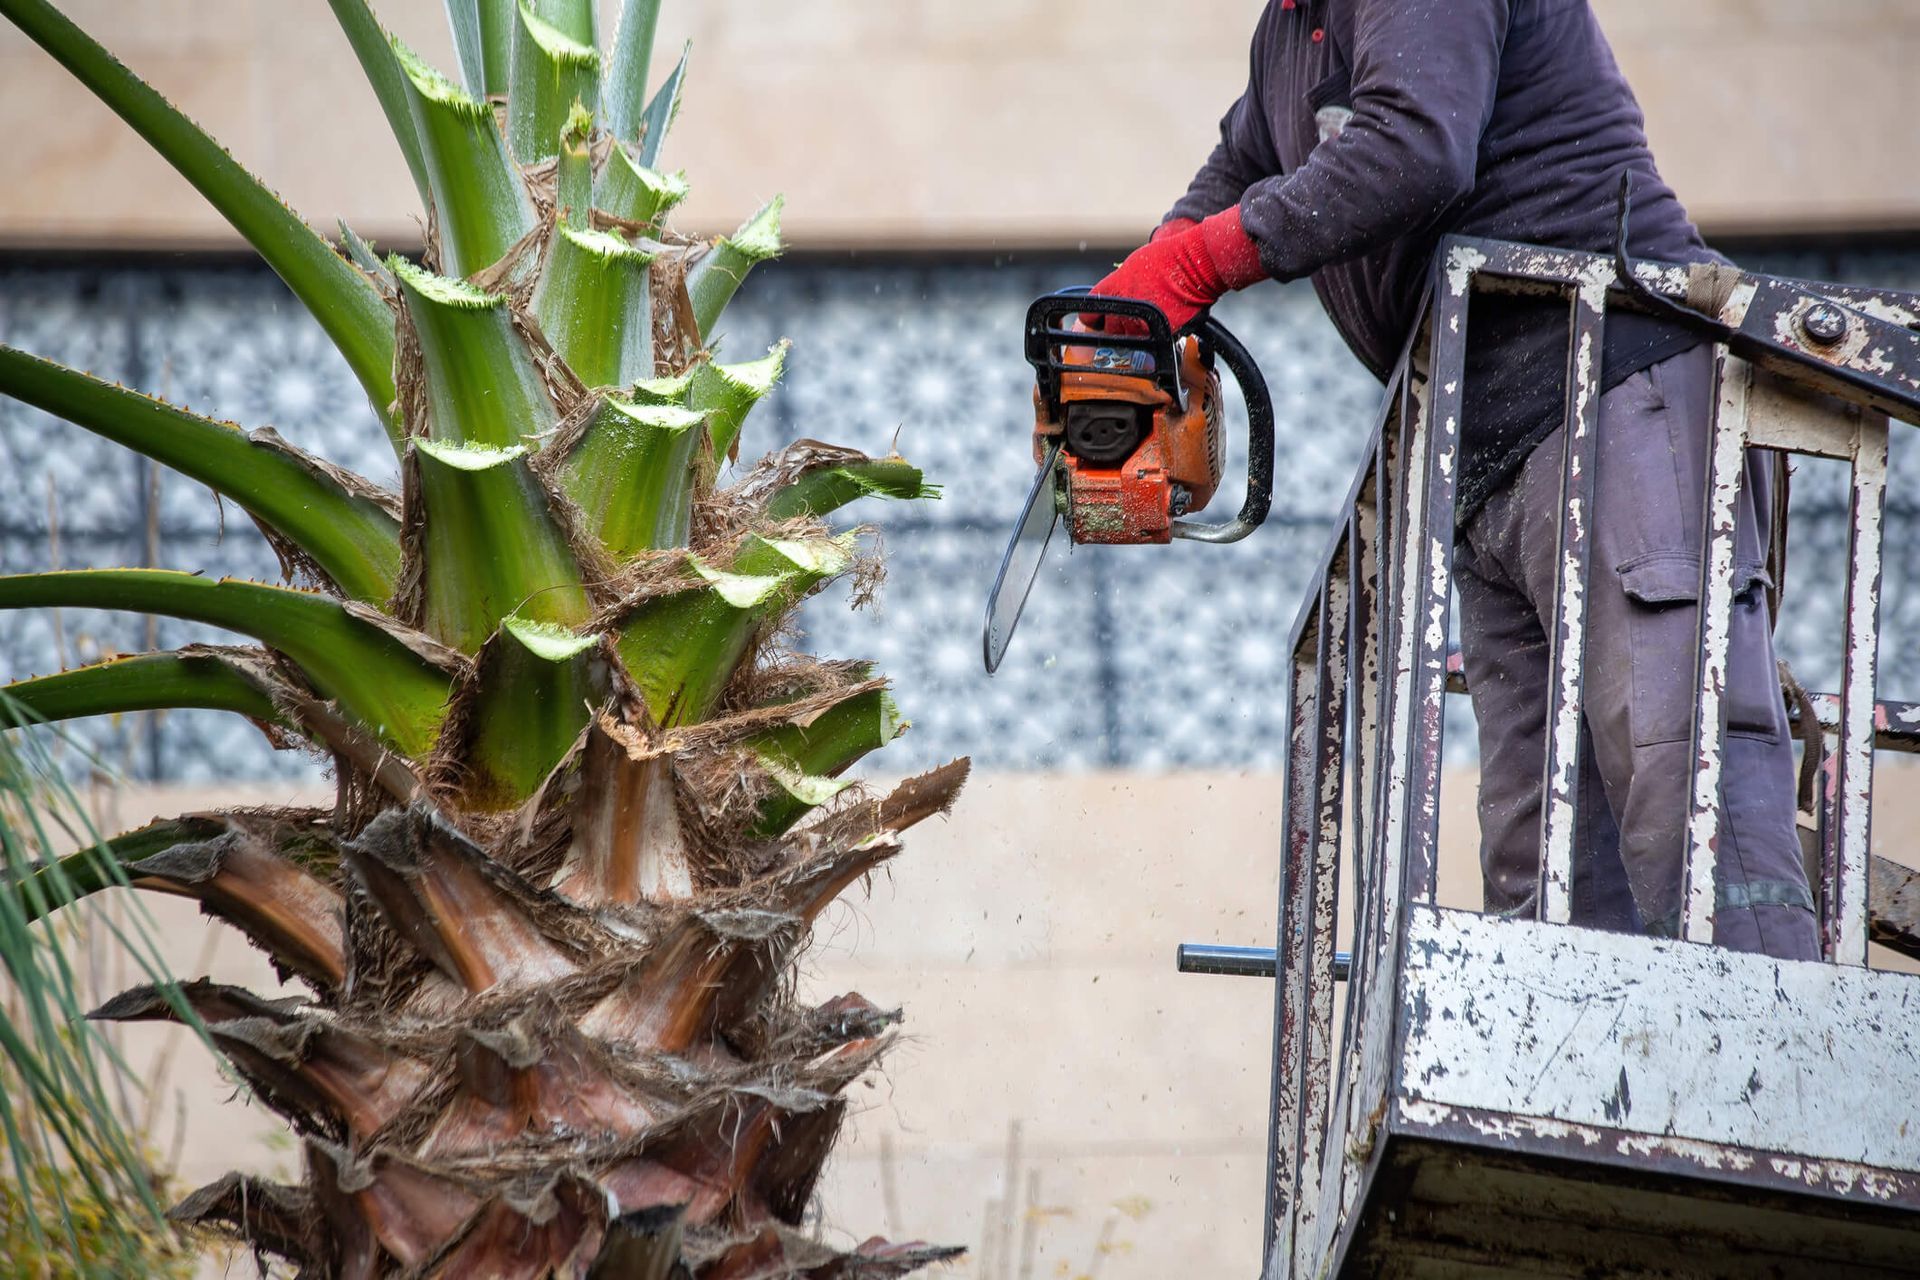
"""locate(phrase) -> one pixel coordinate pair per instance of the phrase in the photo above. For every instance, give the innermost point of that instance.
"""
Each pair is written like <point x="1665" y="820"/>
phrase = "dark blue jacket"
<point x="1371" y="128"/>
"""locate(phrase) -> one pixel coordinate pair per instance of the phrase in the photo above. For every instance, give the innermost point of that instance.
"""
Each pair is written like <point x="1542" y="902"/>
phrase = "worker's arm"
<point x="1199" y="252"/>
<point x="1424" y="78"/>
<point x="1245" y="154"/>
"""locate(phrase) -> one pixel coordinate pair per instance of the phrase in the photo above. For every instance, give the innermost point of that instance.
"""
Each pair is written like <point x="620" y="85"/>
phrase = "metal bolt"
<point x="1824" y="323"/>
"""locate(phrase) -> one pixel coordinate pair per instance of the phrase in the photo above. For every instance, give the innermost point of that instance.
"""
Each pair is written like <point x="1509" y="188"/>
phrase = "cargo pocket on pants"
<point x="1663" y="590"/>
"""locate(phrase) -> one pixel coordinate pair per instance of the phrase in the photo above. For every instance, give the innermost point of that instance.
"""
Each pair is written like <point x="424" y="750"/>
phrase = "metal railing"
<point x="1800" y="368"/>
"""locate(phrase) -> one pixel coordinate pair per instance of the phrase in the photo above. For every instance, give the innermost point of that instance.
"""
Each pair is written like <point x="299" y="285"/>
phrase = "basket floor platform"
<point x="1581" y="1104"/>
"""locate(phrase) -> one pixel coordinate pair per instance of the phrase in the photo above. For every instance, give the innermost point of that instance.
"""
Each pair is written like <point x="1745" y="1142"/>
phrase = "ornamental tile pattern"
<point x="1128" y="657"/>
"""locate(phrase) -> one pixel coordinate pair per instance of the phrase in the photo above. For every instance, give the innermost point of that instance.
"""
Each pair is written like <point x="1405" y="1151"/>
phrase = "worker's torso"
<point x="1564" y="126"/>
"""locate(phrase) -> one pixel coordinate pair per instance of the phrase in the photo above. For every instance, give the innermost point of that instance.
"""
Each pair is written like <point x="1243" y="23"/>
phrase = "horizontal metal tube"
<point x="1242" y="962"/>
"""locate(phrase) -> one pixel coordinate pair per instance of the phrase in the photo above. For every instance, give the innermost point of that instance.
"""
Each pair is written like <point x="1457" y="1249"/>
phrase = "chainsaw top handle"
<point x="1047" y="339"/>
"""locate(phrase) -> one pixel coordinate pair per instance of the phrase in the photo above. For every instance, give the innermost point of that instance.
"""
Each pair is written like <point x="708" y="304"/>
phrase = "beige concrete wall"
<point x="929" y="124"/>
<point x="1030" y="939"/>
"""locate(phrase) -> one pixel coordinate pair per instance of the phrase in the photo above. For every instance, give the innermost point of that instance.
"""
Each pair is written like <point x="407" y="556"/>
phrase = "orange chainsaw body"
<point x="1134" y="458"/>
<point x="1126" y="429"/>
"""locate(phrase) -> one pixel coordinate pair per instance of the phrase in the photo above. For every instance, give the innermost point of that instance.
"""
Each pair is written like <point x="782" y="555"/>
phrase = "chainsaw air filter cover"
<point x="1104" y="433"/>
<point x="1135" y="455"/>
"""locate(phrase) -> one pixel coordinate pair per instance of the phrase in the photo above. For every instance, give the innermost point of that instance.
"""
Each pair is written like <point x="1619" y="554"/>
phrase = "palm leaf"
<point x="374" y="48"/>
<point x="340" y="297"/>
<point x="726" y="393"/>
<point x="573" y="175"/>
<point x="144" y="682"/>
<point x="626" y="83"/>
<point x="483" y="42"/>
<point x="661" y="110"/>
<point x="802" y="756"/>
<point x="482" y="386"/>
<point x="631" y="191"/>
<point x="716" y="277"/>
<point x="555" y="65"/>
<point x="479" y="202"/>
<point x="630" y="474"/>
<point x="83" y="1183"/>
<point x="331" y="516"/>
<point x="492" y="547"/>
<point x="538" y="684"/>
<point x="819" y="491"/>
<point x="595" y="306"/>
<point x="680" y="649"/>
<point x="100" y="864"/>
<point x="380" y="679"/>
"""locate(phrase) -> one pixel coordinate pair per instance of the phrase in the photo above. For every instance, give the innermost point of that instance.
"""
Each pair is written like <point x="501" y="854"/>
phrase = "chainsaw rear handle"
<point x="1047" y="340"/>
<point x="1253" y="389"/>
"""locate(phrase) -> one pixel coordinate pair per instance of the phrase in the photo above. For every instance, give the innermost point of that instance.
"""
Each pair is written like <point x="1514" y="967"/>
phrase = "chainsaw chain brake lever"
<point x="1048" y="337"/>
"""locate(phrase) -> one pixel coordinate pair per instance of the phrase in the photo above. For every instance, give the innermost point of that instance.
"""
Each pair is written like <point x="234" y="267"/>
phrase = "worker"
<point x="1368" y="130"/>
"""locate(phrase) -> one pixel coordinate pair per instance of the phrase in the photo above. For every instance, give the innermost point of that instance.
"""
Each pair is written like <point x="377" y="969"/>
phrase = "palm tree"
<point x="588" y="802"/>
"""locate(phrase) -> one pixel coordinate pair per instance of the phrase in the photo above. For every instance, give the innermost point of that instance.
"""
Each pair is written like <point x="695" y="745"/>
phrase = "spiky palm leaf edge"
<point x="588" y="806"/>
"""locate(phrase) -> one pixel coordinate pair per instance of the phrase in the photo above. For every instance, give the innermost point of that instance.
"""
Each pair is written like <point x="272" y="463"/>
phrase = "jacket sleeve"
<point x="1245" y="153"/>
<point x="1424" y="77"/>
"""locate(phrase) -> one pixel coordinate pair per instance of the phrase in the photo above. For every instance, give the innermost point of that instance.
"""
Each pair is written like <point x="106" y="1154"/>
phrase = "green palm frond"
<point x="339" y="295"/>
<point x="339" y="521"/>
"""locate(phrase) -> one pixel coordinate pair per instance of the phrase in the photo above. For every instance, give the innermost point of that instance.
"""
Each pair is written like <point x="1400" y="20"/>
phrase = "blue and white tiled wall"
<point x="1146" y="658"/>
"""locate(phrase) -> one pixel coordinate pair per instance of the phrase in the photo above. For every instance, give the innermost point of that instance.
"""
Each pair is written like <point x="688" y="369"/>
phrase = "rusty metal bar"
<point x="1290" y="945"/>
<point x="1377" y="957"/>
<point x="1401" y="588"/>
<point x="1390" y="507"/>
<point x="1241" y="962"/>
<point x="1726" y="453"/>
<point x="1323" y="878"/>
<point x="1845" y="899"/>
<point x="1363" y="685"/>
<point x="1796" y="330"/>
<point x="1430" y="568"/>
<point x="1372" y="692"/>
<point x="1895" y="306"/>
<point x="1560" y="781"/>
<point x="1372" y="567"/>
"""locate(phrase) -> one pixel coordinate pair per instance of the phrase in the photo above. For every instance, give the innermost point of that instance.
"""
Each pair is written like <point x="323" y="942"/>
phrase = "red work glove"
<point x="1183" y="271"/>
<point x="1171" y="227"/>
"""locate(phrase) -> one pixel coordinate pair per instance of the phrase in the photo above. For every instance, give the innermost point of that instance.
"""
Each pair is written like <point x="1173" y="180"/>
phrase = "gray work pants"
<point x="1641" y="641"/>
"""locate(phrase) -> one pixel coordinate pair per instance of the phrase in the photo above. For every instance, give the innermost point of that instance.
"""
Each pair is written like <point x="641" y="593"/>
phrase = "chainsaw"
<point x="1128" y="436"/>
